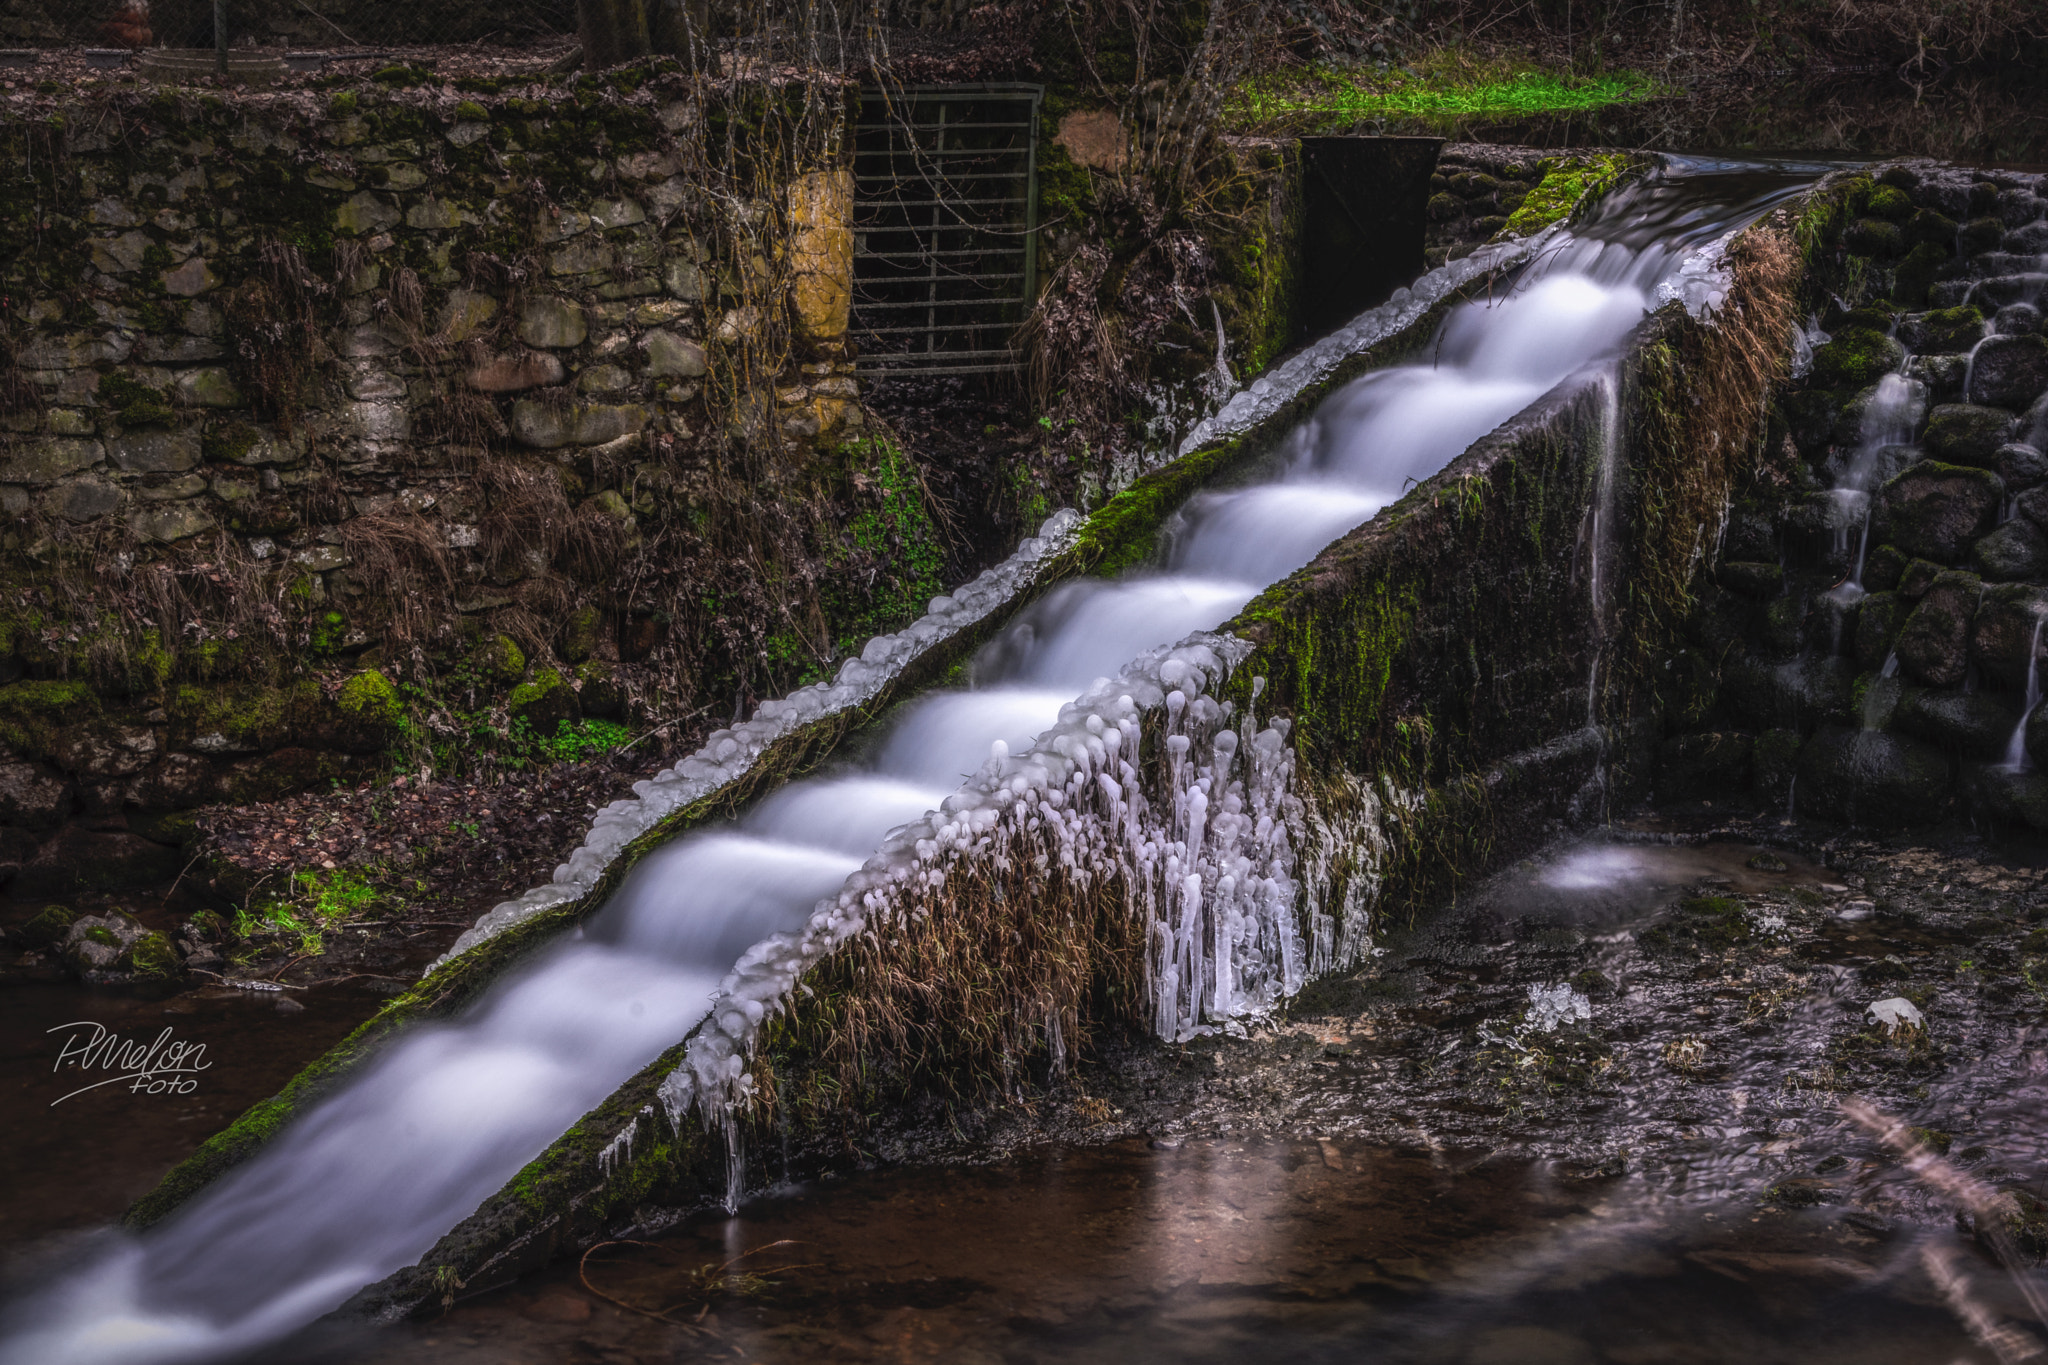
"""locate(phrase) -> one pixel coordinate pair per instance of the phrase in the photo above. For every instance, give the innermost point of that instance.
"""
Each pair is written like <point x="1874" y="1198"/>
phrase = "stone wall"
<point x="1877" y="670"/>
<point x="374" y="384"/>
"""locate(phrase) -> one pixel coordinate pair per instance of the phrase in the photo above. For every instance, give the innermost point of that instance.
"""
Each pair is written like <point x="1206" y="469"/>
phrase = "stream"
<point x="370" y="1179"/>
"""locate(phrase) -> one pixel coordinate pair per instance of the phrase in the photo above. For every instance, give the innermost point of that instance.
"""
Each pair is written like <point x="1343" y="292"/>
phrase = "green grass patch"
<point x="1445" y="96"/>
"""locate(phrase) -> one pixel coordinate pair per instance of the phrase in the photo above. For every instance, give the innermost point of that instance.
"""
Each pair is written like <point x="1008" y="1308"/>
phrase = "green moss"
<point x="499" y="659"/>
<point x="1445" y="97"/>
<point x="133" y="404"/>
<point x="48" y="927"/>
<point x="342" y="104"/>
<point x="153" y="955"/>
<point x="1567" y="181"/>
<point x="472" y="112"/>
<point x="1888" y="202"/>
<point x="371" y="699"/>
<point x="1855" y="357"/>
<point x="32" y="712"/>
<point x="534" y="689"/>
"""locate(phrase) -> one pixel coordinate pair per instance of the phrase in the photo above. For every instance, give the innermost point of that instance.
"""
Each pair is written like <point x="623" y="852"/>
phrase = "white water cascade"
<point x="1882" y="450"/>
<point x="2016" y="758"/>
<point x="369" y="1178"/>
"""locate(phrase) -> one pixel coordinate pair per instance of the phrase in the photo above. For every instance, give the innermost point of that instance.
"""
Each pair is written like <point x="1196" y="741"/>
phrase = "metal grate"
<point x="945" y="220"/>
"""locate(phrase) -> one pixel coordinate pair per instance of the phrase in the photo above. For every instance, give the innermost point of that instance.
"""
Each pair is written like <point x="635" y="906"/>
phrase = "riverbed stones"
<point x="1937" y="510"/>
<point x="1933" y="645"/>
<point x="1967" y="433"/>
<point x="1869" y="777"/>
<point x="2013" y="551"/>
<point x="2010" y="371"/>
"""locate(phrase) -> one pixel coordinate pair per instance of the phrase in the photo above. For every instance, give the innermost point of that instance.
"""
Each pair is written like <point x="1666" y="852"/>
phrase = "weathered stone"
<point x="1938" y="510"/>
<point x="1867" y="777"/>
<point x="75" y="352"/>
<point x="120" y="255"/>
<point x="380" y="422"/>
<point x="581" y="256"/>
<point x="544" y="701"/>
<point x="68" y="422"/>
<point x="168" y="521"/>
<point x="370" y="341"/>
<point x="1855" y="357"/>
<point x="498" y="659"/>
<point x="738" y="324"/>
<point x="1883" y="567"/>
<point x="320" y="558"/>
<point x="1094" y="138"/>
<point x="821" y="253"/>
<point x="433" y="215"/>
<point x="464" y="134"/>
<point x="1878" y="621"/>
<point x="154" y="349"/>
<point x="646" y="166"/>
<point x="2020" y="466"/>
<point x="2015" y="550"/>
<point x="513" y="373"/>
<point x="111" y="213"/>
<point x="191" y="279"/>
<point x="1965" y="433"/>
<point x="366" y="212"/>
<point x="545" y="426"/>
<point x="403" y="175"/>
<point x="1703" y="764"/>
<point x="2002" y="632"/>
<point x="210" y="387"/>
<point x="2010" y="371"/>
<point x="1970" y="724"/>
<point x="240" y="443"/>
<point x="1917" y="577"/>
<point x="1933" y="646"/>
<point x="683" y="278"/>
<point x="32" y="797"/>
<point x="154" y="452"/>
<point x="47" y="460"/>
<point x="672" y="357"/>
<point x="603" y="379"/>
<point x="83" y="499"/>
<point x="1798" y="693"/>
<point x="616" y="213"/>
<point x="98" y="749"/>
<point x="465" y="314"/>
<point x="552" y="323"/>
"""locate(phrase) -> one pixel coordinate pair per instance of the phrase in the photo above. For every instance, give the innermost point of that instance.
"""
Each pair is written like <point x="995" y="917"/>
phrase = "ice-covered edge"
<point x="728" y="754"/>
<point x="1263" y="396"/>
<point x="764" y="980"/>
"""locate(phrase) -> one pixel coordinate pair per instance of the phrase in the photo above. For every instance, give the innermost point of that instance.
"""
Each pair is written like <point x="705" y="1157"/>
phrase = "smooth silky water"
<point x="372" y="1177"/>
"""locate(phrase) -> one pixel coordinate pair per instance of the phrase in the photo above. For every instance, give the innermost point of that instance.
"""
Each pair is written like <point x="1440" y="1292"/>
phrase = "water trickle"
<point x="1888" y="424"/>
<point x="713" y="931"/>
<point x="2016" y="758"/>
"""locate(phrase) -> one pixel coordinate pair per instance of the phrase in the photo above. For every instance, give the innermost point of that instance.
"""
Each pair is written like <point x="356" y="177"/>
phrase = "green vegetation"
<point x="1446" y="93"/>
<point x="1567" y="180"/>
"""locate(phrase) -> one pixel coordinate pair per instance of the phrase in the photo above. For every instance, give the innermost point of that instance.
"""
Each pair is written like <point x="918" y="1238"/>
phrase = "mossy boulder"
<point x="153" y="956"/>
<point x="2010" y="371"/>
<point x="2003" y="632"/>
<point x="1875" y="238"/>
<point x="1934" y="644"/>
<point x="1913" y="278"/>
<point x="1878" y="622"/>
<point x="239" y="718"/>
<point x="581" y="633"/>
<point x="499" y="659"/>
<point x="1937" y="510"/>
<point x="1970" y="724"/>
<point x="33" y="713"/>
<point x="1945" y="329"/>
<point x="601" y="694"/>
<point x="1917" y="577"/>
<point x="1981" y="234"/>
<point x="1882" y="568"/>
<point x="1869" y="777"/>
<point x="96" y="946"/>
<point x="1857" y="356"/>
<point x="1934" y="228"/>
<point x="2015" y="550"/>
<point x="544" y="701"/>
<point x="372" y="713"/>
<point x="1889" y="203"/>
<point x="1797" y="694"/>
<point x="48" y="927"/>
<point x="1810" y="418"/>
<point x="1762" y="582"/>
<point x="2021" y="466"/>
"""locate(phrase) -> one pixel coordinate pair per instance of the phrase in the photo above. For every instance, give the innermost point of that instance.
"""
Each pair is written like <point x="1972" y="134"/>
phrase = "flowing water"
<point x="367" y="1181"/>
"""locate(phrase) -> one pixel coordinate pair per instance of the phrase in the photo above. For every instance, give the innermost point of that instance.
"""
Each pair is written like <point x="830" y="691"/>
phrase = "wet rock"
<point x="2036" y="737"/>
<point x="2021" y="466"/>
<point x="1917" y="577"/>
<point x="1946" y="329"/>
<point x="2017" y="319"/>
<point x="544" y="701"/>
<point x="1810" y="418"/>
<point x="1877" y="626"/>
<point x="2021" y="797"/>
<point x="1932" y="227"/>
<point x="1967" y="433"/>
<point x="1938" y="510"/>
<point x="1855" y="357"/>
<point x="2010" y="371"/>
<point x="1759" y="581"/>
<point x="2002" y="633"/>
<point x="1868" y="777"/>
<point x="1702" y="765"/>
<point x="1933" y="645"/>
<point x="2015" y="550"/>
<point x="48" y="928"/>
<point x="94" y="860"/>
<point x="1876" y="238"/>
<point x="1798" y="693"/>
<point x="1775" y="761"/>
<point x="33" y="798"/>
<point x="1882" y="568"/>
<point x="1971" y="724"/>
<point x="1784" y="626"/>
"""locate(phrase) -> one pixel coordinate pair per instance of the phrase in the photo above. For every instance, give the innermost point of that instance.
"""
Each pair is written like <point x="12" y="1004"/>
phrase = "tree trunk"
<point x="681" y="28"/>
<point x="613" y="31"/>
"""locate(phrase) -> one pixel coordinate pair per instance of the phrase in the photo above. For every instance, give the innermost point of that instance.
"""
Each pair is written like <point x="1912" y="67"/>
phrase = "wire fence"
<point x="112" y="30"/>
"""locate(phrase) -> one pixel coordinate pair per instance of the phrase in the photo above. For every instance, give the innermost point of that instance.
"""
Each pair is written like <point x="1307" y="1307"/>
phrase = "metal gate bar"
<point x="937" y="258"/>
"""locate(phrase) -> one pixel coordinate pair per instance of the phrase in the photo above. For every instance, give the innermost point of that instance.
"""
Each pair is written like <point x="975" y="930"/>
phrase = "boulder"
<point x="1970" y="724"/>
<point x="1882" y="568"/>
<point x="32" y="797"/>
<point x="1966" y="433"/>
<point x="1868" y="777"/>
<point x="1877" y="626"/>
<point x="2015" y="550"/>
<point x="2002" y="634"/>
<point x="1938" y="510"/>
<point x="1933" y="645"/>
<point x="1946" y="329"/>
<point x="2018" y="797"/>
<point x="544" y="701"/>
<point x="2010" y="371"/>
<point x="1714" y="763"/>
<point x="2020" y="465"/>
<point x="94" y="860"/>
<point x="1759" y="581"/>
<point x="1796" y="694"/>
<point x="1855" y="357"/>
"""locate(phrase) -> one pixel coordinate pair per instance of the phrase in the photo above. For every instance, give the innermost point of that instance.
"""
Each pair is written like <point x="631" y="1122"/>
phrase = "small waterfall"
<point x="1891" y="419"/>
<point x="2016" y="757"/>
<point x="1607" y="384"/>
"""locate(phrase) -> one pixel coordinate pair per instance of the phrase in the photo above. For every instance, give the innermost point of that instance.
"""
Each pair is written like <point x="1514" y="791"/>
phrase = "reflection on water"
<point x="1234" y="1251"/>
